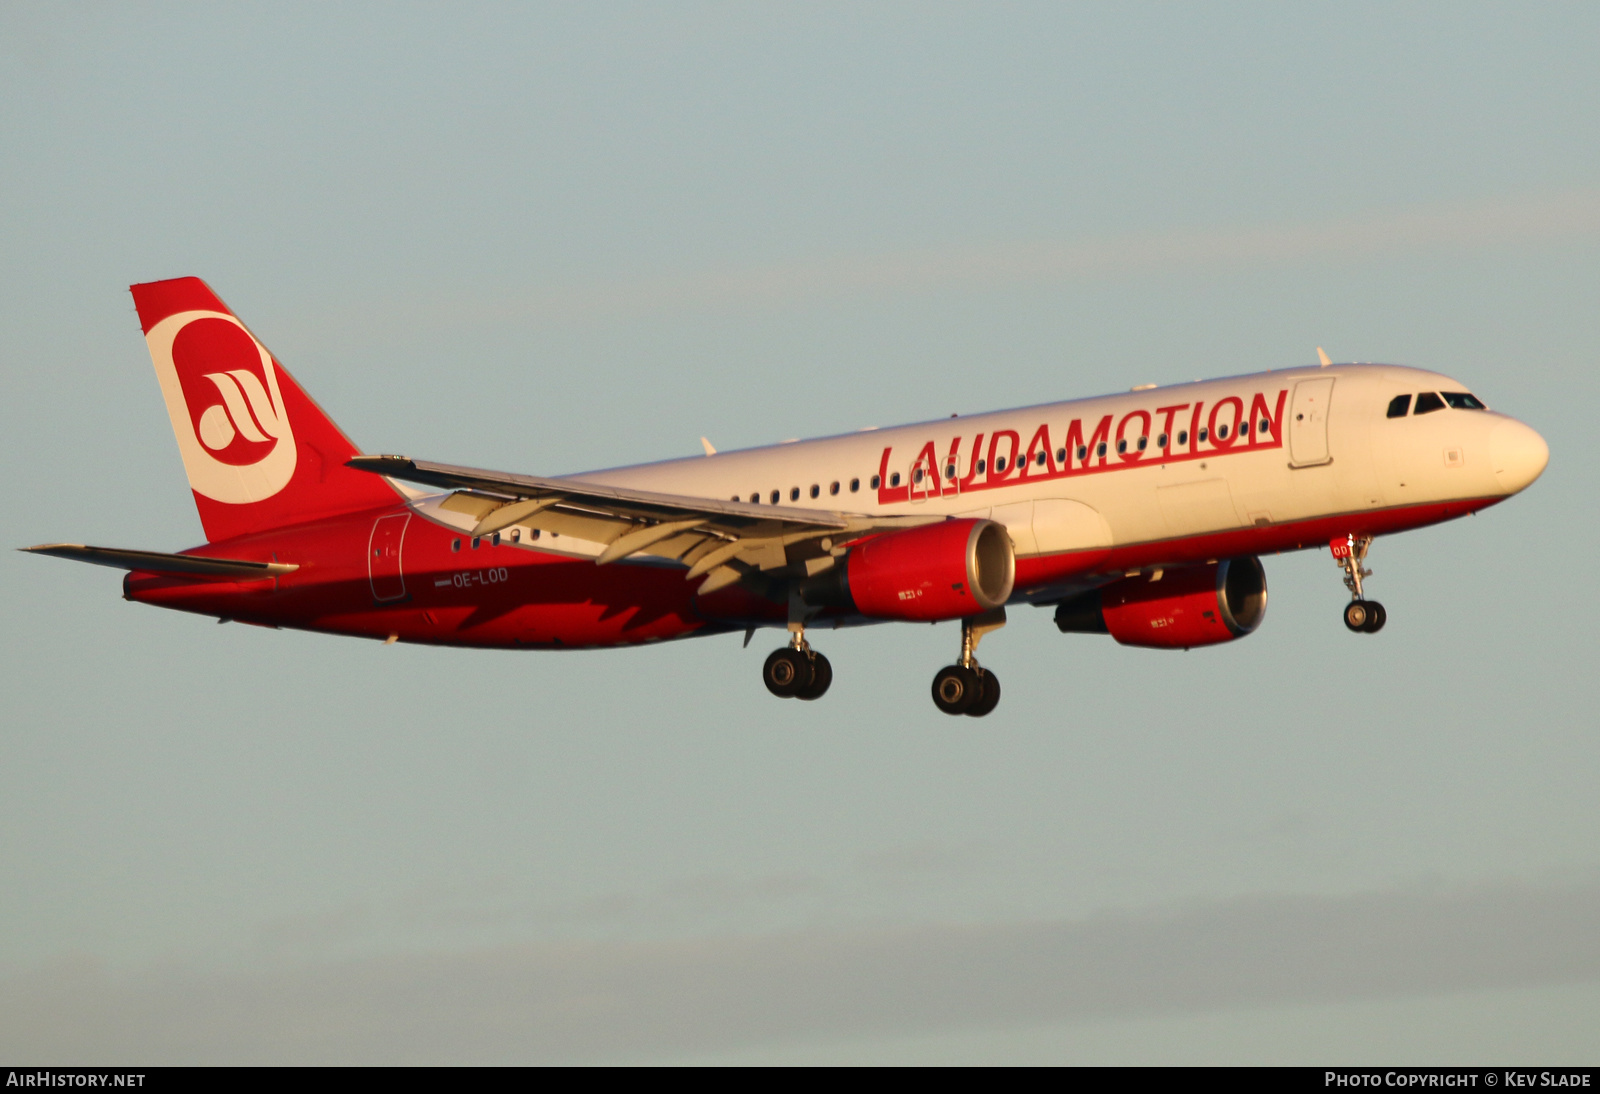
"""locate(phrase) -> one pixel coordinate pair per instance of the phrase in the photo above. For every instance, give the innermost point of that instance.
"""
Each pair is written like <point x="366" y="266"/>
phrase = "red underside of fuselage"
<point x="515" y="598"/>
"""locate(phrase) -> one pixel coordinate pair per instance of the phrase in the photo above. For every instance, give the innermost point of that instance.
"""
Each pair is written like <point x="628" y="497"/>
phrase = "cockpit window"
<point x="1428" y="402"/>
<point x="1463" y="401"/>
<point x="1399" y="405"/>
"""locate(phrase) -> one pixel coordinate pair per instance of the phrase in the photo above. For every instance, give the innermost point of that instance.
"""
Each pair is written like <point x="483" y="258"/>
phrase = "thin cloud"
<point x="1469" y="225"/>
<point x="598" y="1001"/>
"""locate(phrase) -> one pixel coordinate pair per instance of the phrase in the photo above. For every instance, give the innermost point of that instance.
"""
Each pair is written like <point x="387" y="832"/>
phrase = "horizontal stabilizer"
<point x="157" y="562"/>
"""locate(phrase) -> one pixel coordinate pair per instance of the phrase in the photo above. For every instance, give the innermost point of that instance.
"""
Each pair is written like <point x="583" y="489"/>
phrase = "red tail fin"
<point x="259" y="452"/>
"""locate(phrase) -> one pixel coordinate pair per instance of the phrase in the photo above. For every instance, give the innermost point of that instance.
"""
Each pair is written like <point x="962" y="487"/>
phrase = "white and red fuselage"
<point x="1089" y="492"/>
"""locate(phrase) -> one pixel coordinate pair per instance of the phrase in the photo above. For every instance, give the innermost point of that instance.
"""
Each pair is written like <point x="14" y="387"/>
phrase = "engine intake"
<point x="948" y="570"/>
<point x="1189" y="606"/>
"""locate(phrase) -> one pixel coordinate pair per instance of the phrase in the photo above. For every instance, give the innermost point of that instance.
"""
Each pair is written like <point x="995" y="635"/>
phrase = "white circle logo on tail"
<point x="221" y="391"/>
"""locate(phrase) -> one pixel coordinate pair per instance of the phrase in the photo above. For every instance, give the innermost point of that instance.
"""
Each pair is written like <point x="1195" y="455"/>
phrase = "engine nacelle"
<point x="1189" y="606"/>
<point x="948" y="570"/>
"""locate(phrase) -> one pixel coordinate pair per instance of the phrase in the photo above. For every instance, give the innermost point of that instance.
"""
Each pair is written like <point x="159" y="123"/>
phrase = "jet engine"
<point x="1175" y="608"/>
<point x="948" y="570"/>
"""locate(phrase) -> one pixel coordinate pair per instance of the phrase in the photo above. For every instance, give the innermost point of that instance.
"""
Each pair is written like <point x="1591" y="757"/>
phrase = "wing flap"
<point x="620" y="501"/>
<point x="722" y="541"/>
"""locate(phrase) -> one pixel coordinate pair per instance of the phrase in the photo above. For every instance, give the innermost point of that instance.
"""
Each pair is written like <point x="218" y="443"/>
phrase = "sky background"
<point x="554" y="238"/>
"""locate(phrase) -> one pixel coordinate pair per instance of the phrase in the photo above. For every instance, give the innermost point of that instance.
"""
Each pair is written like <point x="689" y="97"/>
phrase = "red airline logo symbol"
<point x="222" y="384"/>
<point x="243" y="428"/>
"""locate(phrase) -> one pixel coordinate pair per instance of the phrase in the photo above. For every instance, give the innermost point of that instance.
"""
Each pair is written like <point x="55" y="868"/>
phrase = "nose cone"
<point x="1518" y="455"/>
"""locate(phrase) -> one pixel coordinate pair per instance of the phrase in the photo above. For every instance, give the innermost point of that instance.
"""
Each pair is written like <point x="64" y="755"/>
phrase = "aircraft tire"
<point x="821" y="677"/>
<point x="1357" y="614"/>
<point x="955" y="689"/>
<point x="786" y="672"/>
<point x="988" y="698"/>
<point x="1376" y="617"/>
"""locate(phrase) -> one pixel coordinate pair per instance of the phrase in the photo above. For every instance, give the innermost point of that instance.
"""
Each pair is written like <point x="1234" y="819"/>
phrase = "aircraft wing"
<point x="158" y="562"/>
<point x="725" y="539"/>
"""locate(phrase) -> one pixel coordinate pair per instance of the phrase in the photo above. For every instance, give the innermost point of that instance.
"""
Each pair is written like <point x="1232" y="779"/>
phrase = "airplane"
<point x="1141" y="515"/>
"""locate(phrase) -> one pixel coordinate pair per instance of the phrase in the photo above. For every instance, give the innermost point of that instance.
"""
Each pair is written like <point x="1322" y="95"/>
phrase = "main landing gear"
<point x="797" y="671"/>
<point x="967" y="687"/>
<point x="1360" y="615"/>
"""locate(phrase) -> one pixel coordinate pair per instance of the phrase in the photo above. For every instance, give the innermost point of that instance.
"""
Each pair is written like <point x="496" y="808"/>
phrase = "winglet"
<point x="705" y="444"/>
<point x="1323" y="357"/>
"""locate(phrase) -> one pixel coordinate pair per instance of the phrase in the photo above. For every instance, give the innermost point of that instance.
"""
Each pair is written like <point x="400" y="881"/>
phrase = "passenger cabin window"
<point x="855" y="484"/>
<point x="794" y="493"/>
<point x="1460" y="400"/>
<point x="833" y="488"/>
<point x="1428" y="402"/>
<point x="894" y="479"/>
<point x="875" y="481"/>
<point x="1399" y="405"/>
<point x="815" y="489"/>
<point x="775" y="496"/>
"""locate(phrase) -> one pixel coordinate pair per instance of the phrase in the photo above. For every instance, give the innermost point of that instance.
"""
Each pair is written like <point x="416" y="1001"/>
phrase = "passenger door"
<point x="1308" y="422"/>
<point x="383" y="557"/>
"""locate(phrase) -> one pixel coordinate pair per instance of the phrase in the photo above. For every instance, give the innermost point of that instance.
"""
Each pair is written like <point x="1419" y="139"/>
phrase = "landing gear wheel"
<point x="955" y="689"/>
<point x="821" y="677"/>
<point x="1376" y="617"/>
<point x="786" y="672"/>
<point x="1357" y="615"/>
<point x="989" y="697"/>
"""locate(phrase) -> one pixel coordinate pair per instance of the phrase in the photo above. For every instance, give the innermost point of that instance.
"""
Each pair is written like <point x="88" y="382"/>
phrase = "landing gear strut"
<point x="797" y="671"/>
<point x="1360" y="615"/>
<point x="967" y="687"/>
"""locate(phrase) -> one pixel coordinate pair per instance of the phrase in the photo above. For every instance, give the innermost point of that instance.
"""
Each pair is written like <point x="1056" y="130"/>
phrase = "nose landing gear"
<point x="797" y="671"/>
<point x="967" y="687"/>
<point x="1360" y="615"/>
